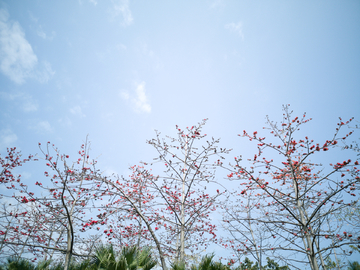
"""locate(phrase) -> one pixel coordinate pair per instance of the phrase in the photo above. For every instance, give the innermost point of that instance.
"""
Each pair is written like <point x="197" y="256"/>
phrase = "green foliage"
<point x="146" y="262"/>
<point x="206" y="263"/>
<point x="247" y="264"/>
<point x="130" y="259"/>
<point x="105" y="258"/>
<point x="179" y="266"/>
<point x="271" y="265"/>
<point x="354" y="266"/>
<point x="330" y="264"/>
<point x="17" y="264"/>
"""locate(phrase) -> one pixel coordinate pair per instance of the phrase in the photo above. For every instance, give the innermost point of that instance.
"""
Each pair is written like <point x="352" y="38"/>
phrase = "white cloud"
<point x="77" y="111"/>
<point x="121" y="47"/>
<point x="147" y="51"/>
<point x="236" y="27"/>
<point x="66" y="122"/>
<point x="29" y="105"/>
<point x="94" y="2"/>
<point x="32" y="17"/>
<point x="139" y="100"/>
<point x="7" y="138"/>
<point x="41" y="33"/>
<point x="121" y="7"/>
<point x="124" y="95"/>
<point x="42" y="127"/>
<point x="216" y="3"/>
<point x="45" y="73"/>
<point x="16" y="55"/>
<point x="150" y="55"/>
<point x="23" y="100"/>
<point x="17" y="58"/>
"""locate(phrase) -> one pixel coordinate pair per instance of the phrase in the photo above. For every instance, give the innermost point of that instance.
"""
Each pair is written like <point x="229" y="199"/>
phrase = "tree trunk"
<point x="182" y="228"/>
<point x="68" y="250"/>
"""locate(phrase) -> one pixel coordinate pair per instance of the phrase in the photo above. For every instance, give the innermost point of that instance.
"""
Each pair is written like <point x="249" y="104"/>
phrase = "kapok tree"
<point x="12" y="160"/>
<point x="190" y="163"/>
<point x="9" y="209"/>
<point x="125" y="227"/>
<point x="293" y="197"/>
<point x="177" y="204"/>
<point x="246" y="237"/>
<point x="130" y="211"/>
<point x="61" y="205"/>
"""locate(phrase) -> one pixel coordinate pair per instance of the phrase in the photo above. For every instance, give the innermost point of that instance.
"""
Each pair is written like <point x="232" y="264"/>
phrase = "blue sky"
<point x="118" y="70"/>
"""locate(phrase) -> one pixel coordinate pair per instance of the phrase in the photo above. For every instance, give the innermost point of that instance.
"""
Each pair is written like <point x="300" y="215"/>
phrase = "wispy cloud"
<point x="7" y="138"/>
<point x="41" y="33"/>
<point x="121" y="47"/>
<point x="77" y="111"/>
<point x="236" y="27"/>
<point x="42" y="127"/>
<point x="44" y="73"/>
<point x="17" y="58"/>
<point x="150" y="55"/>
<point x="23" y="100"/>
<point x="94" y="2"/>
<point x="65" y="122"/>
<point x="121" y="7"/>
<point x="139" y="100"/>
<point x="216" y="3"/>
<point x="124" y="95"/>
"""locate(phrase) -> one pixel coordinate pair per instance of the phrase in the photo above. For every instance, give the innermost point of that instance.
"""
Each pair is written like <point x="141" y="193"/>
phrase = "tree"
<point x="175" y="205"/>
<point x="10" y="209"/>
<point x="8" y="164"/>
<point x="57" y="208"/>
<point x="296" y="197"/>
<point x="246" y="237"/>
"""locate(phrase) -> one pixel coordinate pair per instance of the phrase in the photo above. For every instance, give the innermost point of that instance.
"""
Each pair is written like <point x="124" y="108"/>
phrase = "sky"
<point x="117" y="70"/>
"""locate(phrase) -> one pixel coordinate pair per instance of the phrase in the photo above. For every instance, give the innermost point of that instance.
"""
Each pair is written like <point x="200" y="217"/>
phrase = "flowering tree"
<point x="293" y="198"/>
<point x="10" y="210"/>
<point x="245" y="236"/>
<point x="8" y="164"/>
<point x="175" y="206"/>
<point x="57" y="208"/>
<point x="130" y="213"/>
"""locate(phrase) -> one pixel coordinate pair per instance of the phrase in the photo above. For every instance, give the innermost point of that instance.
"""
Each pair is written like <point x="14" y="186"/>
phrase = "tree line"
<point x="284" y="203"/>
